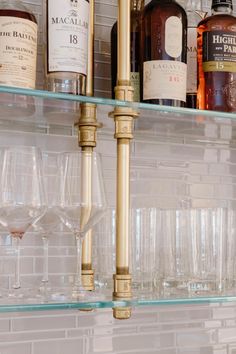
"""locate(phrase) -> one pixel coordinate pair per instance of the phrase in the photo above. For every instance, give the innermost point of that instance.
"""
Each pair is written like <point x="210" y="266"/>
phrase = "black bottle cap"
<point x="227" y="3"/>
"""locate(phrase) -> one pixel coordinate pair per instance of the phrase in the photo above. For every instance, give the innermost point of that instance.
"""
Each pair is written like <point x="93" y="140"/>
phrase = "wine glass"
<point x="81" y="200"/>
<point x="22" y="196"/>
<point x="49" y="221"/>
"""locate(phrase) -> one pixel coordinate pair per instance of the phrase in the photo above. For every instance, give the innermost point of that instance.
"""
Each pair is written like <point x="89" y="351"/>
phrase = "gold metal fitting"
<point x="88" y="125"/>
<point x="122" y="286"/>
<point x="124" y="93"/>
<point x="122" y="313"/>
<point x="88" y="279"/>
<point x="124" y="116"/>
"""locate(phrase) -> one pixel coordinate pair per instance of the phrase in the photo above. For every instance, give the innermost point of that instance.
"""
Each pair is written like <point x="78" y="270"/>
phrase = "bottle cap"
<point x="216" y="3"/>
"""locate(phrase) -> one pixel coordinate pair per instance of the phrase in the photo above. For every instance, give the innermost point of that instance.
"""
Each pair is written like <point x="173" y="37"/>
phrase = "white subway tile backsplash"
<point x="43" y="323"/>
<point x="60" y="346"/>
<point x="196" y="338"/>
<point x="13" y="348"/>
<point x="227" y="335"/>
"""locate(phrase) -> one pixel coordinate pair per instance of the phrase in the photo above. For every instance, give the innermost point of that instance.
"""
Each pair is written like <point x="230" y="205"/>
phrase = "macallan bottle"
<point x="195" y="15"/>
<point x="67" y="45"/>
<point x="136" y="8"/>
<point x="217" y="59"/>
<point x="164" y="53"/>
<point x="18" y="45"/>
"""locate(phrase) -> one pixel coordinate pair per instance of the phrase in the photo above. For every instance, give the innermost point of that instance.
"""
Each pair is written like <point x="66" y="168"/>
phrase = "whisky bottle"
<point x="67" y="45"/>
<point x="194" y="14"/>
<point x="18" y="49"/>
<point x="164" y="53"/>
<point x="136" y="9"/>
<point x="217" y="59"/>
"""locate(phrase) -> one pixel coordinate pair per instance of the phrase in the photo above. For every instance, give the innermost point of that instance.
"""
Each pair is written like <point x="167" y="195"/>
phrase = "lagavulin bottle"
<point x="164" y="53"/>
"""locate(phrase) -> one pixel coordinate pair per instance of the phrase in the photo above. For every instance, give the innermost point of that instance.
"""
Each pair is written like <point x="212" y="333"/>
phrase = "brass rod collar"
<point x="88" y="279"/>
<point x="122" y="286"/>
<point x="122" y="313"/>
<point x="88" y="125"/>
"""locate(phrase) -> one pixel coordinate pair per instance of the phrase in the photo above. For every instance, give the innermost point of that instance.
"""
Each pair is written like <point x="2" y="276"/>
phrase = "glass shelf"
<point x="52" y="113"/>
<point x="45" y="112"/>
<point x="109" y="304"/>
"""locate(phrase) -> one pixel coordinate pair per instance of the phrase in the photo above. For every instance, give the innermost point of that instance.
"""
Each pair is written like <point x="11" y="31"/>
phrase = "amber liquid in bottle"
<point x="217" y="61"/>
<point x="136" y="8"/>
<point x="164" y="53"/>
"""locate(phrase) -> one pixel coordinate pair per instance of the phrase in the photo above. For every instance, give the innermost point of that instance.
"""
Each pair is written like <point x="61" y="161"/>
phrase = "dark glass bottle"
<point x="136" y="8"/>
<point x="164" y="53"/>
<point x="195" y="15"/>
<point x="217" y="59"/>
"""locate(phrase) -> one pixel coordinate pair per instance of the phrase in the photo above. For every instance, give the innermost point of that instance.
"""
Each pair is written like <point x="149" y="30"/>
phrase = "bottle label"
<point x="68" y="22"/>
<point x="164" y="79"/>
<point x="135" y="83"/>
<point x="219" y="51"/>
<point x="18" y="52"/>
<point x="173" y="36"/>
<point x="192" y="61"/>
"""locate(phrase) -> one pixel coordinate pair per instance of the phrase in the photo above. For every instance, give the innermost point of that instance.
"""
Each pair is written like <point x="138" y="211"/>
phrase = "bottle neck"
<point x="222" y="7"/>
<point x="137" y="5"/>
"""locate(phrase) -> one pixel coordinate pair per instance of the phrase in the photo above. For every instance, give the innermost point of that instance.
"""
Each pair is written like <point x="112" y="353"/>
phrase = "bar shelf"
<point x="41" y="114"/>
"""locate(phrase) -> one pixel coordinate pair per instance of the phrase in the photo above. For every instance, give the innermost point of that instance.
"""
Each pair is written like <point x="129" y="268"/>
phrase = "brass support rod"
<point x="123" y="70"/>
<point x="123" y="192"/>
<point x="90" y="65"/>
<point x="86" y="194"/>
<point x="123" y="133"/>
<point x="87" y="141"/>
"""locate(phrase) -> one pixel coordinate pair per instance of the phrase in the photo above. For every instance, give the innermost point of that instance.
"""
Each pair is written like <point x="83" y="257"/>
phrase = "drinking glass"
<point x="22" y="196"/>
<point x="81" y="200"/>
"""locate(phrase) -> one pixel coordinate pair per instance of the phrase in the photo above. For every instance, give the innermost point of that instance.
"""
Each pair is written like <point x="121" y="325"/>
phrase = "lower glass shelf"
<point x="109" y="303"/>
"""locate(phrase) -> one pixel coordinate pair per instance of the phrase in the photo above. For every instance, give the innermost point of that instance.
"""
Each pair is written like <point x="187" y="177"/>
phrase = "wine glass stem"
<point x="78" y="280"/>
<point x="16" y="284"/>
<point x="45" y="259"/>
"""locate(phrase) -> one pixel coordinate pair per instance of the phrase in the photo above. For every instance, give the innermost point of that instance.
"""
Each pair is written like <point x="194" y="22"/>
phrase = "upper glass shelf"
<point x="109" y="102"/>
<point x="42" y="111"/>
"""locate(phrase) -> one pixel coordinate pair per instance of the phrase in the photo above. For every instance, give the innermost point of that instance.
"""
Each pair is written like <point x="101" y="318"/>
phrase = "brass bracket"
<point x="124" y="116"/>
<point x="122" y="290"/>
<point x="122" y="286"/>
<point x="122" y="313"/>
<point x="88" y="125"/>
<point x="88" y="279"/>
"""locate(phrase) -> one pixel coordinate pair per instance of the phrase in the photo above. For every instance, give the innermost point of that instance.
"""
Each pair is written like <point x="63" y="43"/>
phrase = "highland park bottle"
<point x="18" y="49"/>
<point x="164" y="53"/>
<point x="195" y="15"/>
<point x="67" y="45"/>
<point x="136" y="9"/>
<point x="217" y="59"/>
